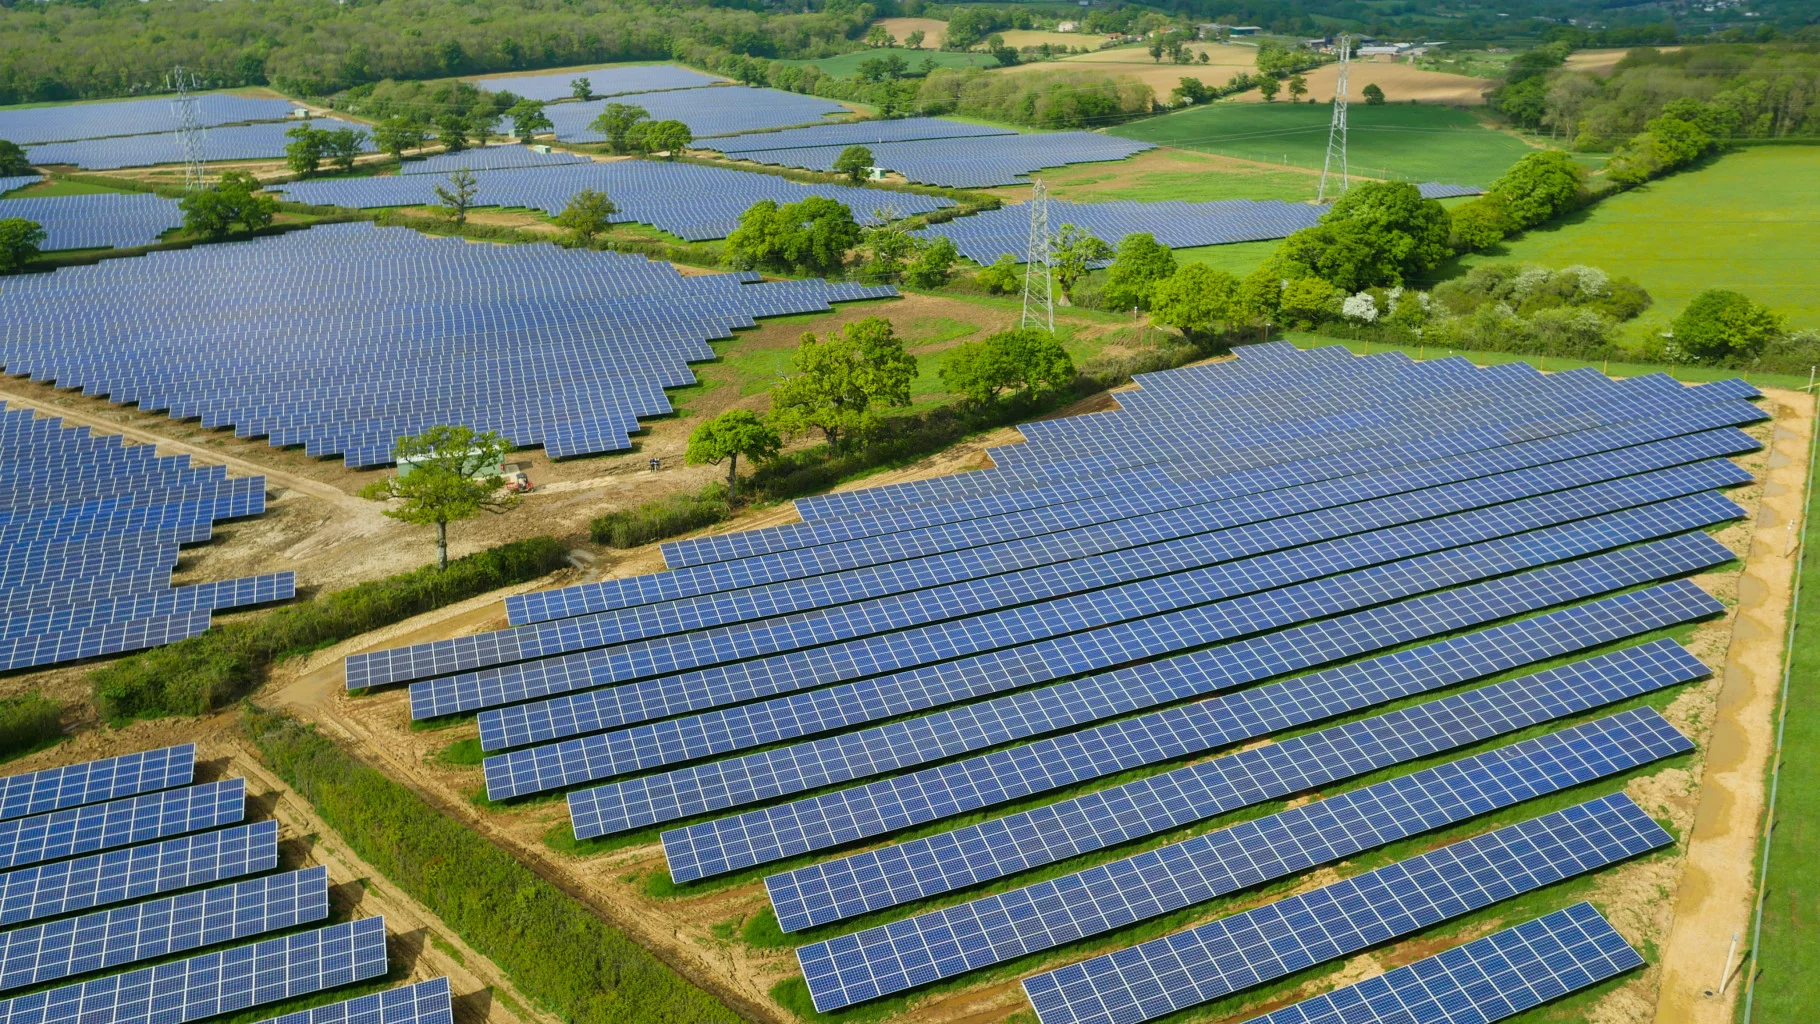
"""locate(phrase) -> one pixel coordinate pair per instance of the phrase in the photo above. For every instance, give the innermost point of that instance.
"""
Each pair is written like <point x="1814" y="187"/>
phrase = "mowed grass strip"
<point x="1407" y="141"/>
<point x="1746" y="221"/>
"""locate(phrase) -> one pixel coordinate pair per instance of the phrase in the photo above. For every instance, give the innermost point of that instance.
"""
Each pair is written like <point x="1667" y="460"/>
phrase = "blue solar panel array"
<point x="87" y="563"/>
<point x="231" y="142"/>
<point x="1123" y="594"/>
<point x="104" y="221"/>
<point x="982" y="161"/>
<point x="721" y="110"/>
<point x="984" y="237"/>
<point x="1484" y="980"/>
<point x="17" y="181"/>
<point x="490" y="158"/>
<point x="608" y="81"/>
<point x="58" y="814"/>
<point x="855" y="133"/>
<point x="131" y="117"/>
<point x="345" y="337"/>
<point x="692" y="201"/>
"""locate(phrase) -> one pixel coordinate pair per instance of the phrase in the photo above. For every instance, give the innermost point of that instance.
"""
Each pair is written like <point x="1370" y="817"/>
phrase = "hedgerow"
<point x="553" y="948"/>
<point x="28" y="721"/>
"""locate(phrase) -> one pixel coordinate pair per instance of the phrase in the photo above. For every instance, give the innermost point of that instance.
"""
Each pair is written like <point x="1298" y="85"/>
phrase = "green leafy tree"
<point x="1005" y="55"/>
<point x="446" y="474"/>
<point x="615" y="121"/>
<point x="581" y="88"/>
<point x="1137" y="266"/>
<point x="1196" y="300"/>
<point x="529" y="120"/>
<point x="888" y="248"/>
<point x="19" y="243"/>
<point x="1298" y="87"/>
<point x="915" y="39"/>
<point x="1192" y="90"/>
<point x="1267" y="87"/>
<point x="12" y="159"/>
<point x="457" y="197"/>
<point x="811" y="236"/>
<point x="1376" y="235"/>
<point x="1309" y="300"/>
<point x="343" y="146"/>
<point x="1073" y="254"/>
<point x="305" y="152"/>
<point x="934" y="263"/>
<point x="733" y="433"/>
<point x="854" y="162"/>
<point x="1026" y="359"/>
<point x="453" y="131"/>
<point x="398" y="133"/>
<point x="1721" y="326"/>
<point x="1480" y="224"/>
<point x="587" y="214"/>
<point x="1156" y="48"/>
<point x="1374" y="96"/>
<point x="235" y="199"/>
<point x="1002" y="276"/>
<point x="1538" y="188"/>
<point x="838" y="383"/>
<point x="669" y="137"/>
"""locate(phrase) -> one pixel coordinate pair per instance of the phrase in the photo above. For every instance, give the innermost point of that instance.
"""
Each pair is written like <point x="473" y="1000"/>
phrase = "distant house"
<point x="1068" y="26"/>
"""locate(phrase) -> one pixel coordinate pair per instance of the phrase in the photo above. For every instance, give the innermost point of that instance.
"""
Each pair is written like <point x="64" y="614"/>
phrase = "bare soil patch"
<point x="1602" y="62"/>
<point x="934" y="32"/>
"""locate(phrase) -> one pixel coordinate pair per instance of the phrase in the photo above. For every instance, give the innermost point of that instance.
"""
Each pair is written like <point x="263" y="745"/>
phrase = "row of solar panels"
<point x="345" y="337"/>
<point x="228" y="142"/>
<point x="90" y="530"/>
<point x="105" y="221"/>
<point x="86" y="846"/>
<point x="982" y="161"/>
<point x="70" y="121"/>
<point x="1104" y="604"/>
<point x="608" y="81"/>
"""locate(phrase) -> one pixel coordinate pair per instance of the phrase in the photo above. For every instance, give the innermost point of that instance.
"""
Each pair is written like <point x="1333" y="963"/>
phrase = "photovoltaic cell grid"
<point x="215" y="983"/>
<point x="1280" y="938"/>
<point x="231" y="142"/>
<point x="982" y="161"/>
<point x="426" y="1002"/>
<point x="345" y="337"/>
<point x="693" y="201"/>
<point x="857" y="133"/>
<point x="86" y="564"/>
<point x="96" y="221"/>
<point x="1484" y="980"/>
<point x="722" y="110"/>
<point x="14" y="181"/>
<point x="103" y="826"/>
<point x="130" y="117"/>
<point x="609" y="81"/>
<point x="984" y="237"/>
<point x="118" y="876"/>
<point x="94" y="781"/>
<point x="489" y="158"/>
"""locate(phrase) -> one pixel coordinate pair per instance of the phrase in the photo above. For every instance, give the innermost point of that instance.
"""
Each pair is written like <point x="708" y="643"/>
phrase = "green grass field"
<point x="1746" y="221"/>
<point x="60" y="188"/>
<point x="1163" y="175"/>
<point x="1399" y="141"/>
<point x="1788" y="981"/>
<point x="847" y="64"/>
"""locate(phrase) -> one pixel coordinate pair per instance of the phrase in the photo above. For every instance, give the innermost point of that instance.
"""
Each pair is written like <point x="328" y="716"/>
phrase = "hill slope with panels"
<point x="982" y="162"/>
<point x="1452" y="584"/>
<point x="691" y="201"/>
<point x="232" y="142"/>
<point x="96" y="221"/>
<point x="618" y="81"/>
<point x="721" y="110"/>
<point x="343" y="338"/>
<point x="125" y="861"/>
<point x="90" y="530"/>
<point x="66" y="122"/>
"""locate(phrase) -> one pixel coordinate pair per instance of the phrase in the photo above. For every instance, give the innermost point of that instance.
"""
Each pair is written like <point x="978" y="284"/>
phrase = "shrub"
<point x="201" y="674"/>
<point x="554" y="949"/>
<point x="666" y="517"/>
<point x="28" y="722"/>
<point x="1721" y="326"/>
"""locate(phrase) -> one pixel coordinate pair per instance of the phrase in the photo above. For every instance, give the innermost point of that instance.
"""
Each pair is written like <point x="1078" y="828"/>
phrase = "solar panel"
<point x="1301" y="931"/>
<point x="1206" y="962"/>
<point x="130" y="117"/>
<point x="984" y="237"/>
<point x="1159" y="803"/>
<point x="720" y="110"/>
<point x="426" y="1002"/>
<point x="1487" y="979"/>
<point x="845" y="816"/>
<point x="71" y="946"/>
<point x="215" y="983"/>
<point x="116" y="876"/>
<point x="96" y="221"/>
<point x="93" y="781"/>
<point x="238" y="142"/>
<point x="979" y="162"/>
<point x="121" y="822"/>
<point x="608" y="81"/>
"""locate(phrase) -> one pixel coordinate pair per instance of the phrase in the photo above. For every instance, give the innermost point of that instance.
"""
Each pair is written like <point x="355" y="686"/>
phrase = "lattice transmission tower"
<point x="189" y="126"/>
<point x="1039" y="298"/>
<point x="1336" y="132"/>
